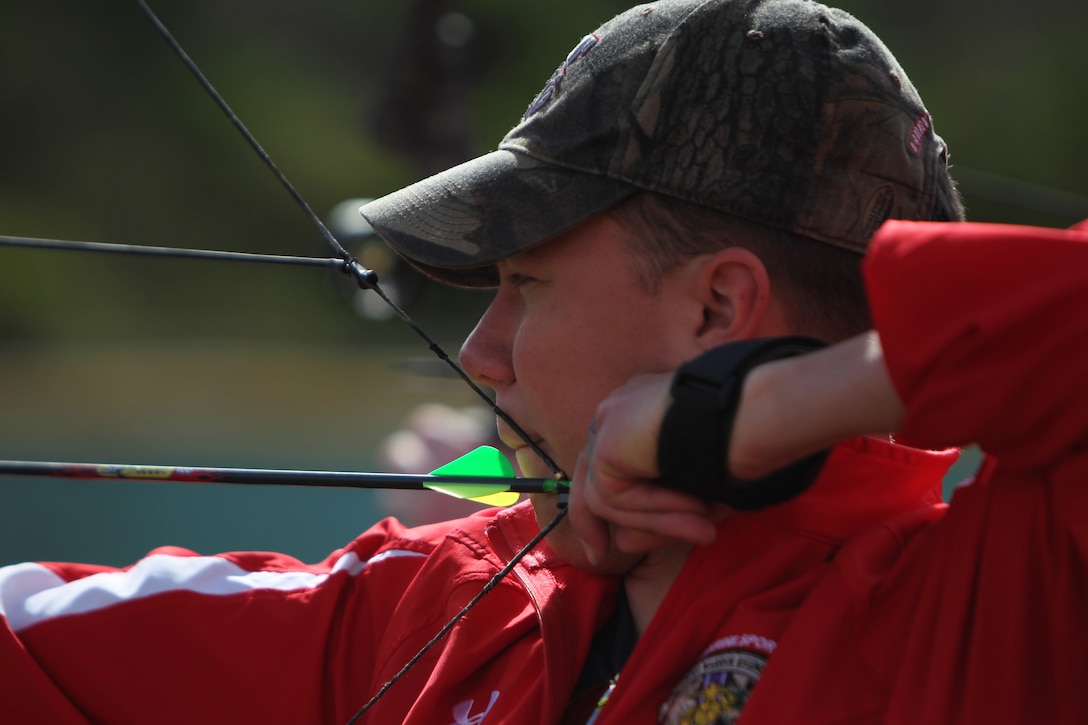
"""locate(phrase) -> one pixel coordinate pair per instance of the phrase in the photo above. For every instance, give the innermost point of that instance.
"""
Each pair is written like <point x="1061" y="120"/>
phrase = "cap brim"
<point x="456" y="225"/>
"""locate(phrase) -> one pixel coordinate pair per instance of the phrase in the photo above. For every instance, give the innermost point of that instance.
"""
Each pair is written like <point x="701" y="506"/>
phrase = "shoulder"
<point x="490" y="536"/>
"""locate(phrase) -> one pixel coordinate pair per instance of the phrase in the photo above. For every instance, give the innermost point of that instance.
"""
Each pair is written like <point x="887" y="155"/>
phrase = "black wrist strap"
<point x="692" y="447"/>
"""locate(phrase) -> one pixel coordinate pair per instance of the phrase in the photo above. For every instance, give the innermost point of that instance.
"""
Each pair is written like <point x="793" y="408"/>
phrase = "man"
<point x="662" y="197"/>
<point x="694" y="173"/>
<point x="973" y="616"/>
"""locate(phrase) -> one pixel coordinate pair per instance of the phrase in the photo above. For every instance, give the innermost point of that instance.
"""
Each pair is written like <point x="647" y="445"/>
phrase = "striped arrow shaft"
<point x="265" y="476"/>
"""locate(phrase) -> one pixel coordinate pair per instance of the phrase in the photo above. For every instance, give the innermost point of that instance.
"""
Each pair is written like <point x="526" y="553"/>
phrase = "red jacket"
<point x="857" y="602"/>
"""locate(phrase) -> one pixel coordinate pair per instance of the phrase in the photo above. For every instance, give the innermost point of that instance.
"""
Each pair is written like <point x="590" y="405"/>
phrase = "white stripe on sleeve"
<point x="32" y="593"/>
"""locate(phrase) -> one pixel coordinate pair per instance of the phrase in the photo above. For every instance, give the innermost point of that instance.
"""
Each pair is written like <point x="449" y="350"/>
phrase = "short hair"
<point x="819" y="284"/>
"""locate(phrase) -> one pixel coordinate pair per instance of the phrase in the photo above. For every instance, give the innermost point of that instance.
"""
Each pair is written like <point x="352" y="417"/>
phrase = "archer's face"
<point x="569" y="324"/>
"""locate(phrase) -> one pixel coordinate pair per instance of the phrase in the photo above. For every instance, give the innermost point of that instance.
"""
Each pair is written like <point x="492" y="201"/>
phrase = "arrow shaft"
<point x="264" y="476"/>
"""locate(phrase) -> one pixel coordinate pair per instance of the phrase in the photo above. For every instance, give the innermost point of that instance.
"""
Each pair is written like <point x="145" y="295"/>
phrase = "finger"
<point x="611" y="495"/>
<point x="645" y="507"/>
<point x="663" y="528"/>
<point x="627" y="494"/>
<point x="636" y="541"/>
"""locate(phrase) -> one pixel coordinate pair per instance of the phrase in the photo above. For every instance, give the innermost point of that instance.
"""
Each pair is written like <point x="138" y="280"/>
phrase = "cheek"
<point x="558" y="380"/>
<point x="569" y="359"/>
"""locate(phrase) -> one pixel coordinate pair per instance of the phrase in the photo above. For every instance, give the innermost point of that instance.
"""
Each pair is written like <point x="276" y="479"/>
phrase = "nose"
<point x="487" y="354"/>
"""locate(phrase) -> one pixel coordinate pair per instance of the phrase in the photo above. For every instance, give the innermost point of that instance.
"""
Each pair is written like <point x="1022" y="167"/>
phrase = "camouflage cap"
<point x="787" y="113"/>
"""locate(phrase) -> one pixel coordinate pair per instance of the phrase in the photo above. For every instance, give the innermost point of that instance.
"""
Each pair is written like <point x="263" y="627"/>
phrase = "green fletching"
<point x="485" y="462"/>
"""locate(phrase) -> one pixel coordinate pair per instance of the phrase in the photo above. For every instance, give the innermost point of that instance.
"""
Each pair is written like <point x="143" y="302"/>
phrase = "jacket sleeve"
<point x="985" y="332"/>
<point x="179" y="637"/>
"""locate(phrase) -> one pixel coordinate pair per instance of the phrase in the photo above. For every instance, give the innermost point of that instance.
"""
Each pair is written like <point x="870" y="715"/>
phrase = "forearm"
<point x="794" y="407"/>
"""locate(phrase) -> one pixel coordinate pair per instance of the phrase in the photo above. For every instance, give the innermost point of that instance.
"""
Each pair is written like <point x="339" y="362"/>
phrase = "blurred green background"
<point x="104" y="136"/>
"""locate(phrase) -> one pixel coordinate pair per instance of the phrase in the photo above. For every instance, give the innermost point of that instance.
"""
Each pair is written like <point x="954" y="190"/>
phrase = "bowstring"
<point x="368" y="280"/>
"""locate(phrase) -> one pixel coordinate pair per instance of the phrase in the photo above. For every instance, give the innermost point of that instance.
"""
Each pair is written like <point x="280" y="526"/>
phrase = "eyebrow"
<point x="533" y="255"/>
<point x="511" y="266"/>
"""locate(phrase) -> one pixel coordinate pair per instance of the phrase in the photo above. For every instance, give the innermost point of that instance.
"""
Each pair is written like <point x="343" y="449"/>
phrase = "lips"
<point x="529" y="463"/>
<point x="511" y="438"/>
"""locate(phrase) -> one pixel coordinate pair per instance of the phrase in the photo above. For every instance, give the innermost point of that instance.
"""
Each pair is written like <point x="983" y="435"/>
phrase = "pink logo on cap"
<point x="918" y="133"/>
<point x="551" y="88"/>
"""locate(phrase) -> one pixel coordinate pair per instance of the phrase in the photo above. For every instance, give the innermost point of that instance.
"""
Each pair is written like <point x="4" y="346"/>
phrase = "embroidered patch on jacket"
<point x="715" y="690"/>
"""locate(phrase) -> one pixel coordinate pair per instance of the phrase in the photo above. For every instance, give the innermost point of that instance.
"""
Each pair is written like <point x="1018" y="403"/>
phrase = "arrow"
<point x="483" y="475"/>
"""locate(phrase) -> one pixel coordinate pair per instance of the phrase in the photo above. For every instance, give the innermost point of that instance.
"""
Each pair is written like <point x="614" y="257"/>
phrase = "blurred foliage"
<point x="106" y="137"/>
<point x="1007" y="83"/>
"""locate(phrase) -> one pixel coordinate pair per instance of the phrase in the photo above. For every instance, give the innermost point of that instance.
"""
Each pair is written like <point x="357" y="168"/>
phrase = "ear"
<point x="735" y="292"/>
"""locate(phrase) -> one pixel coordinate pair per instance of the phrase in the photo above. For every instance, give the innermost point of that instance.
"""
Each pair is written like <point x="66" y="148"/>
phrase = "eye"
<point x="519" y="275"/>
<point x="518" y="280"/>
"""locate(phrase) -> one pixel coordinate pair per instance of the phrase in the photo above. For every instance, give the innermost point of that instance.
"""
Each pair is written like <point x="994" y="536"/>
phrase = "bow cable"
<point x="491" y="584"/>
<point x="175" y="252"/>
<point x="367" y="279"/>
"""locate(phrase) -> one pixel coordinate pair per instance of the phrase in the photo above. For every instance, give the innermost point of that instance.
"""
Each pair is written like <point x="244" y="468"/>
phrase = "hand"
<point x="789" y="409"/>
<point x="615" y="497"/>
